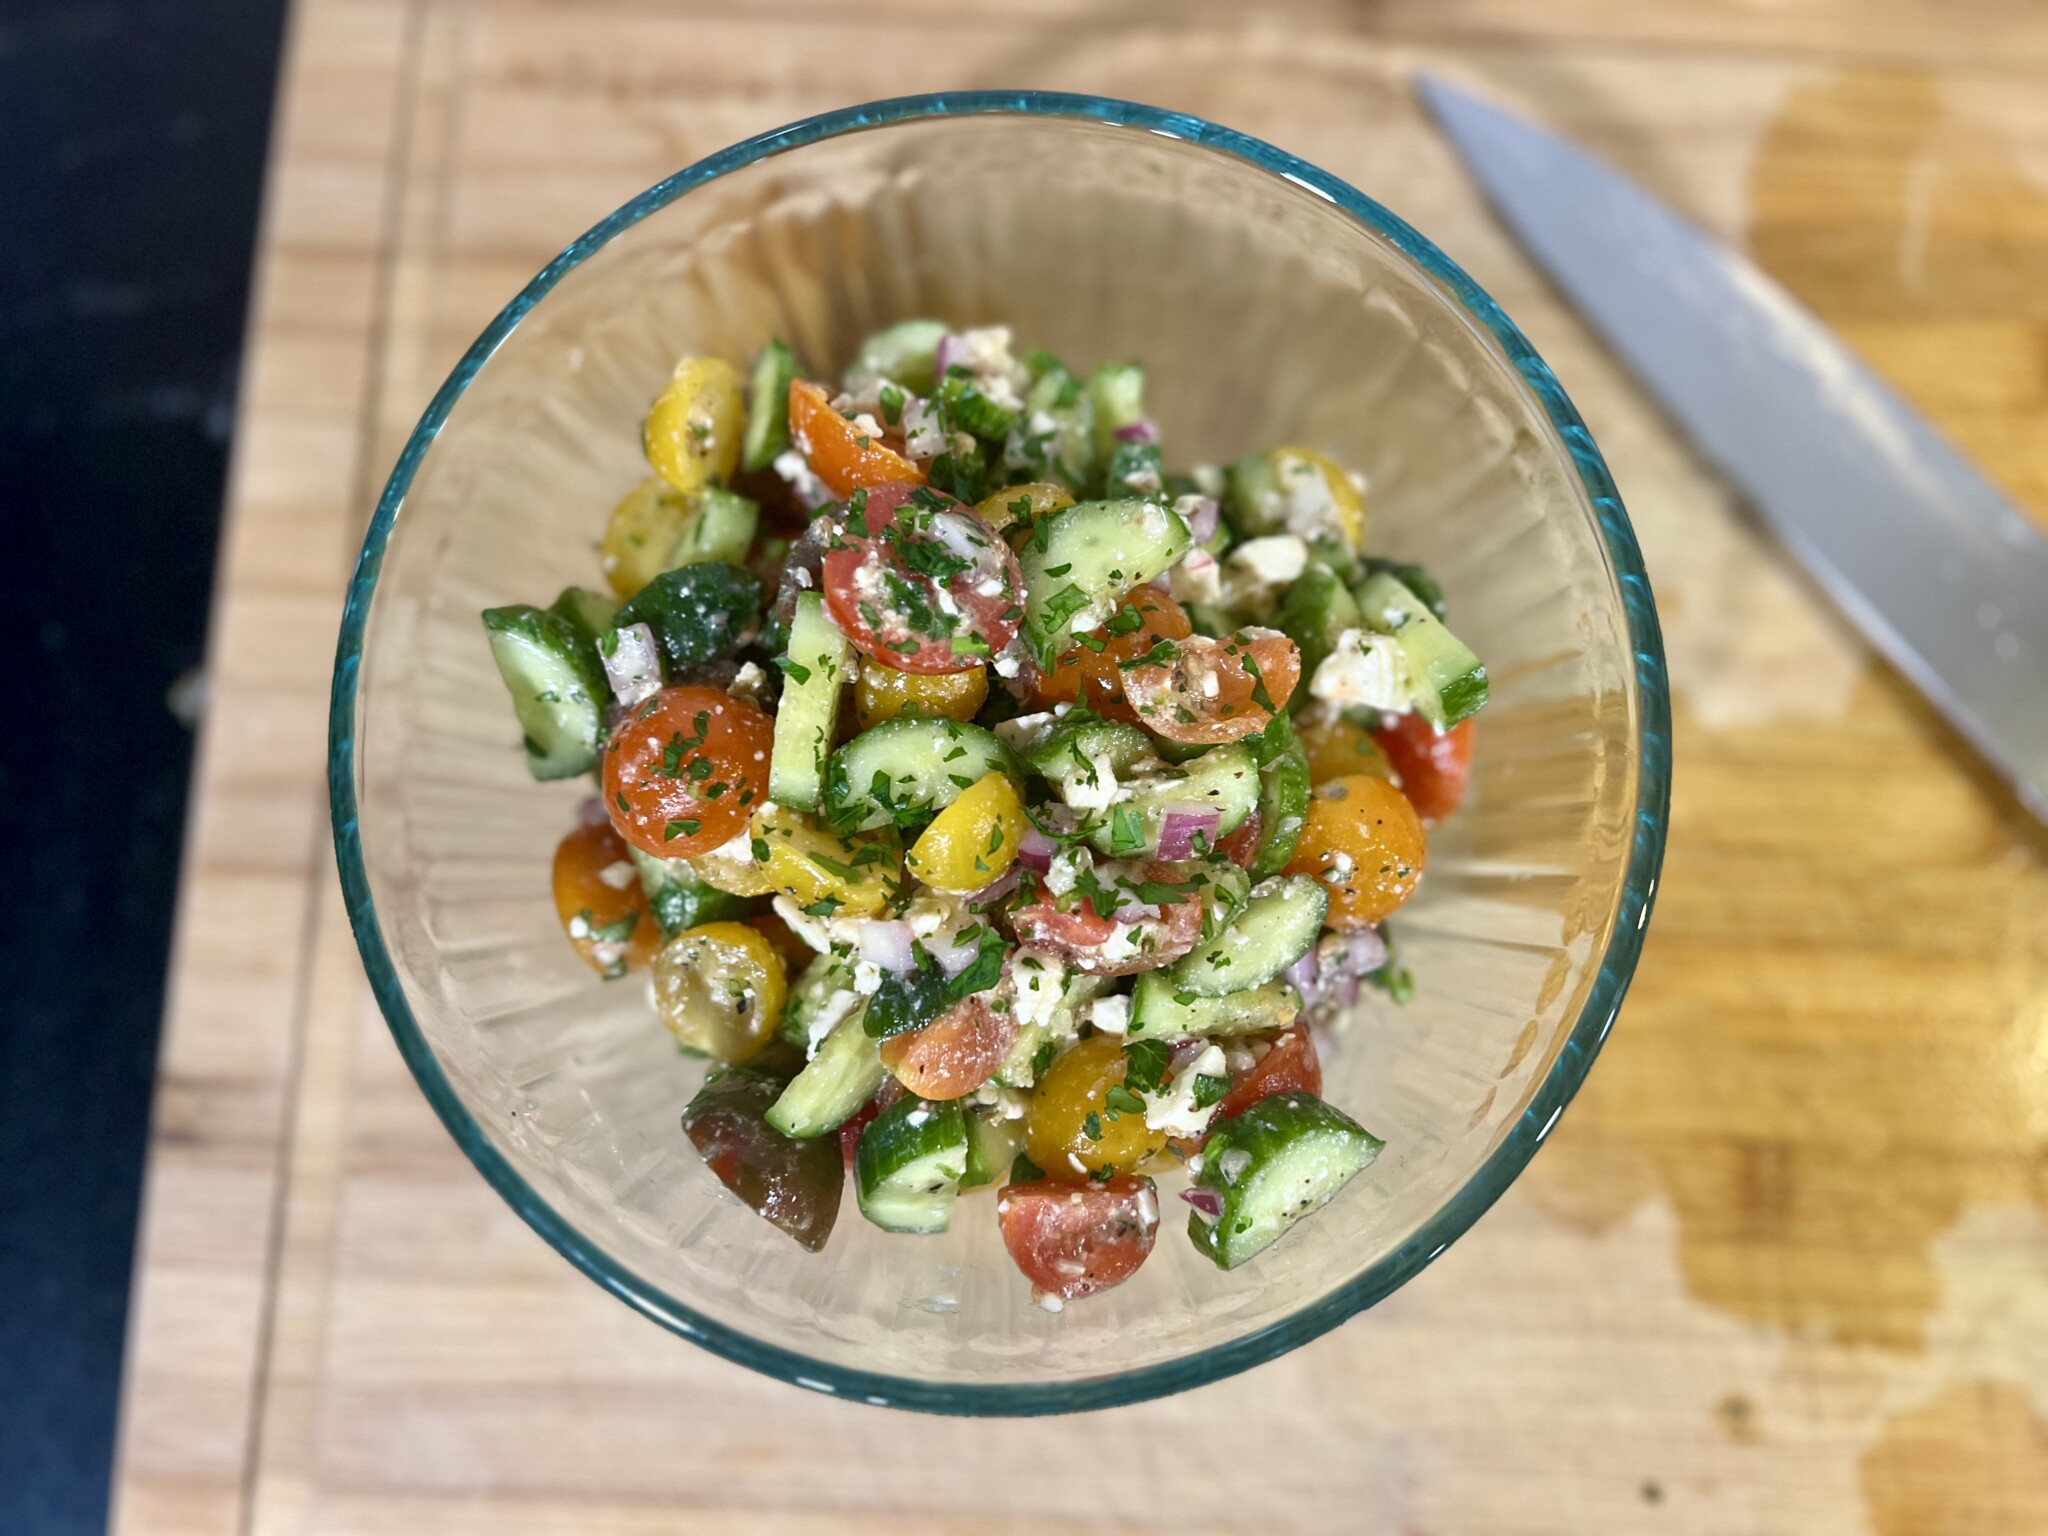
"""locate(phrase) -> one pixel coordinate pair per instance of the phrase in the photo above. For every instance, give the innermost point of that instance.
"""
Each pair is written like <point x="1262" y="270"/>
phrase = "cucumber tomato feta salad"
<point x="996" y="809"/>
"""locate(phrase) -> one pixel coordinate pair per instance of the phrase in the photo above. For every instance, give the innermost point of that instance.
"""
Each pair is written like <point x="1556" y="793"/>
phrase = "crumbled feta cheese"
<point x="1064" y="870"/>
<point x="830" y="1012"/>
<point x="1094" y="788"/>
<point x="1038" y="978"/>
<point x="1048" y="1299"/>
<point x="795" y="472"/>
<point x="923" y="437"/>
<point x="1128" y="942"/>
<point x="579" y="927"/>
<point x="1008" y="1103"/>
<point x="1024" y="732"/>
<point x="811" y="930"/>
<point x="1173" y="1110"/>
<point x="619" y="874"/>
<point x="1302" y="503"/>
<point x="1111" y="1015"/>
<point x="749" y="683"/>
<point x="1208" y="480"/>
<point x="1198" y="578"/>
<point x="867" y="978"/>
<point x="1143" y="481"/>
<point x="1364" y="671"/>
<point x="1273" y="561"/>
<point x="1009" y="660"/>
<point x="736" y="853"/>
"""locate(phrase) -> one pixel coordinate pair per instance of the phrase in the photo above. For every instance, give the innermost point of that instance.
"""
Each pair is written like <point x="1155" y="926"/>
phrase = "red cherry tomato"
<point x="1073" y="1240"/>
<point x="1290" y="1066"/>
<point x="1215" y="690"/>
<point x="849" y="1133"/>
<point x="1107" y="948"/>
<point x="920" y="583"/>
<point x="1242" y="846"/>
<point x="1091" y="673"/>
<point x="685" y="770"/>
<point x="1433" y="768"/>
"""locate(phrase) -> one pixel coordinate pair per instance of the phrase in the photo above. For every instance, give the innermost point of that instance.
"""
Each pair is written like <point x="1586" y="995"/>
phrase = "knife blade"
<point x="1940" y="572"/>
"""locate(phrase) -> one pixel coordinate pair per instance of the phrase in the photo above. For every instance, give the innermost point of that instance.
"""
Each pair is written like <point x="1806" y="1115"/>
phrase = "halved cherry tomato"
<point x="1291" y="1066"/>
<point x="599" y="899"/>
<point x="1091" y="676"/>
<point x="840" y="454"/>
<point x="954" y="1054"/>
<point x="1242" y="846"/>
<point x="1211" y="691"/>
<point x="1336" y="745"/>
<point x="1364" y="841"/>
<point x="1072" y="1130"/>
<point x="920" y="583"/>
<point x="849" y="1133"/>
<point x="1073" y="1240"/>
<point x="683" y="771"/>
<point x="1433" y="768"/>
<point x="1097" y="944"/>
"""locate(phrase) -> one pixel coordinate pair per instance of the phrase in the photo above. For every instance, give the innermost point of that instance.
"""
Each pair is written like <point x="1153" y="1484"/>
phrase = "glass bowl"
<point x="1271" y="303"/>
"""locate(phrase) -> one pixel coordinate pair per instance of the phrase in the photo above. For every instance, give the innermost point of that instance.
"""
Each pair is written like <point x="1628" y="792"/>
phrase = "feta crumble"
<point x="1365" y="671"/>
<point x="1173" y="1110"/>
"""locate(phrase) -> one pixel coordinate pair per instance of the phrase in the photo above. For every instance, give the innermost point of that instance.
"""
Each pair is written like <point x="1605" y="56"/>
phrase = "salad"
<point x="994" y="808"/>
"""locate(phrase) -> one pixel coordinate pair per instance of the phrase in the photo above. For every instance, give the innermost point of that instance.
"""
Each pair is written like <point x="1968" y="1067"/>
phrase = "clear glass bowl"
<point x="1270" y="303"/>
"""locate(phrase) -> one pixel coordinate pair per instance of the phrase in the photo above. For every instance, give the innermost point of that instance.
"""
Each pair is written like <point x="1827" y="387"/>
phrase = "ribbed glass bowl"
<point x="1270" y="303"/>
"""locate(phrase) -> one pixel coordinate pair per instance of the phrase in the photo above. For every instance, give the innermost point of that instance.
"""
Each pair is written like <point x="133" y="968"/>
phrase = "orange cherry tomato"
<point x="839" y="453"/>
<point x="1073" y="1240"/>
<point x="600" y="902"/>
<point x="684" y="770"/>
<point x="1364" y="841"/>
<point x="1215" y="690"/>
<point x="954" y="1054"/>
<point x="1433" y="769"/>
<point x="1291" y="1066"/>
<point x="1086" y="675"/>
<point x="1336" y="746"/>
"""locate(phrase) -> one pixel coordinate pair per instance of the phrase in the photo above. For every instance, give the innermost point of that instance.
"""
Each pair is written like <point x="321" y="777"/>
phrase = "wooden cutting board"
<point x="1784" y="1268"/>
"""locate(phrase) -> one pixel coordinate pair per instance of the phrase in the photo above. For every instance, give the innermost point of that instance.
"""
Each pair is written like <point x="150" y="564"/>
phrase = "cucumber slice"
<point x="1160" y="1010"/>
<point x="1056" y="438"/>
<point x="908" y="1166"/>
<point x="833" y="1084"/>
<point x="907" y="353"/>
<point x="1117" y="392"/>
<point x="768" y="406"/>
<point x="1080" y="741"/>
<point x="813" y="670"/>
<point x="1082" y="560"/>
<point x="905" y="771"/>
<point x="1282" y="1159"/>
<point x="827" y="977"/>
<point x="1250" y="490"/>
<point x="1446" y="681"/>
<point x="992" y="1146"/>
<point x="557" y="685"/>
<point x="1416" y="579"/>
<point x="1049" y="1029"/>
<point x="1224" y="779"/>
<point x="1135" y="469"/>
<point x="1276" y="928"/>
<point x="698" y="612"/>
<point x="591" y="612"/>
<point x="719" y="525"/>
<point x="1317" y="609"/>
<point x="1283" y="798"/>
<point x="680" y="899"/>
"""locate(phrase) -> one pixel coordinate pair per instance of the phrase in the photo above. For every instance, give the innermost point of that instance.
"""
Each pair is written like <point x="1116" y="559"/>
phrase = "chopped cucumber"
<point x="992" y="1146"/>
<point x="591" y="612"/>
<point x="1446" y="681"/>
<point x="1283" y="796"/>
<point x="1049" y="1029"/>
<point x="1083" y="559"/>
<point x="1251" y="490"/>
<point x="1082" y="740"/>
<point x="1224" y="779"/>
<point x="1117" y="392"/>
<point x="719" y="525"/>
<point x="1317" y="609"/>
<point x="908" y="1166"/>
<point x="698" y="612"/>
<point x="768" y="406"/>
<point x="1280" y="1160"/>
<point x="833" y="1084"/>
<point x="826" y="978"/>
<point x="1161" y="1010"/>
<point x="813" y="670"/>
<point x="679" y="899"/>
<point x="907" y="770"/>
<point x="1277" y="927"/>
<point x="966" y="409"/>
<point x="1135" y="469"/>
<point x="907" y="353"/>
<point x="557" y="685"/>
<point x="1416" y="579"/>
<point x="1056" y="438"/>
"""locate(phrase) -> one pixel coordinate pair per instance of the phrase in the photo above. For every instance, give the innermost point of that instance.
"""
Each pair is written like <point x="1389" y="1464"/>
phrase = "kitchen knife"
<point x="1941" y="573"/>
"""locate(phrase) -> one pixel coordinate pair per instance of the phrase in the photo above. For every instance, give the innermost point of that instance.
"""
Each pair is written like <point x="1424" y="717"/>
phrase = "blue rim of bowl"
<point x="1436" y="1234"/>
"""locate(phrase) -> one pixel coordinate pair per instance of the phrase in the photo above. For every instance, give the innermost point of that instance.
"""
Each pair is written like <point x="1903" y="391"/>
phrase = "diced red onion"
<point x="1035" y="849"/>
<point x="953" y="958"/>
<point x="1131" y="912"/>
<point x="1141" y="431"/>
<point x="886" y="943"/>
<point x="923" y="437"/>
<point x="1302" y="974"/>
<point x="632" y="664"/>
<point x="997" y="888"/>
<point x="1180" y="823"/>
<point x="1202" y="515"/>
<point x="951" y="347"/>
<point x="1208" y="1203"/>
<point x="1330" y="973"/>
<point x="590" y="812"/>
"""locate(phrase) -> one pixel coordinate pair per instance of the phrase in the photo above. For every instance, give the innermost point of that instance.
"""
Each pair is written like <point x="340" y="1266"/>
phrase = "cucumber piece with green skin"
<point x="992" y="1146"/>
<point x="768" y="406"/>
<point x="813" y="669"/>
<point x="591" y="612"/>
<point x="908" y="1166"/>
<point x="965" y="408"/>
<point x="1082" y="739"/>
<point x="1082" y="560"/>
<point x="1050" y="1028"/>
<point x="905" y="771"/>
<point x="719" y="526"/>
<point x="1250" y="486"/>
<point x="1117" y="392"/>
<point x="1416" y="579"/>
<point x="1135" y="469"/>
<point x="906" y="353"/>
<point x="1282" y="1159"/>
<point x="679" y="899"/>
<point x="557" y="685"/>
<point x="812" y="996"/>
<point x="698" y="612"/>
<point x="833" y="1084"/>
<point x="1224" y="779"/>
<point x="1284" y="788"/>
<point x="1056" y="438"/>
<point x="1445" y="679"/>
<point x="1316" y="611"/>
<point x="1160" y="1010"/>
<point x="1277" y="927"/>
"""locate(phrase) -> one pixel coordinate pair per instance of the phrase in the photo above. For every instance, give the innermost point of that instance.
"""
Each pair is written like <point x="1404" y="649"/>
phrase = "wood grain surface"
<point x="1784" y="1267"/>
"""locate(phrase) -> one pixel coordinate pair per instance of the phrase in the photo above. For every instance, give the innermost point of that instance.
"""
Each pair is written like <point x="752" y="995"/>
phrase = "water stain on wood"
<point x="1971" y="1462"/>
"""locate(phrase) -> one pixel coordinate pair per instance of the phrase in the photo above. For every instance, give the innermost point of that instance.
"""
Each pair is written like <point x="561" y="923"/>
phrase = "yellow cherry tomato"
<point x="1016" y="503"/>
<point x="695" y="425"/>
<point x="720" y="989"/>
<point x="732" y="868"/>
<point x="1292" y="466"/>
<point x="641" y="538"/>
<point x="1337" y="747"/>
<point x="1364" y="841"/>
<point x="974" y="840"/>
<point x="810" y="863"/>
<point x="1071" y="1130"/>
<point x="883" y="693"/>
